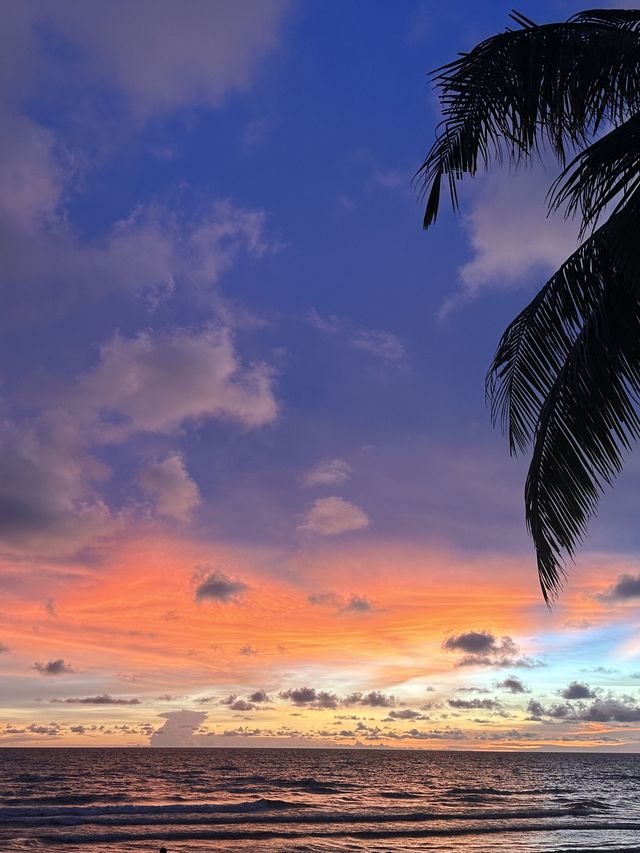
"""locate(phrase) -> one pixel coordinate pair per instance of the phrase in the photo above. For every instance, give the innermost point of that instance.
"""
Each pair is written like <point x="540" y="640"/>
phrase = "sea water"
<point x="287" y="800"/>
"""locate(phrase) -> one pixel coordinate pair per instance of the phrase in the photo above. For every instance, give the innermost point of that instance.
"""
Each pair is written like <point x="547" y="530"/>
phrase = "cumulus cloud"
<point x="404" y="714"/>
<point x="475" y="704"/>
<point x="49" y="497"/>
<point x="241" y="705"/>
<point x="511" y="235"/>
<point x="48" y="482"/>
<point x="472" y="642"/>
<point x="168" y="484"/>
<point x="428" y="734"/>
<point x="157" y="383"/>
<point x="102" y="699"/>
<point x="482" y="648"/>
<point x="180" y="729"/>
<point x="512" y="684"/>
<point x="151" y="249"/>
<point x="374" y="699"/>
<point x="624" y="710"/>
<point x="31" y="179"/>
<point x="609" y="709"/>
<point x="53" y="667"/>
<point x="577" y="690"/>
<point x="153" y="252"/>
<point x="310" y="697"/>
<point x="333" y="515"/>
<point x="626" y="588"/>
<point x="236" y="703"/>
<point x="329" y="472"/>
<point x="151" y="383"/>
<point x="17" y="734"/>
<point x="160" y="56"/>
<point x="216" y="586"/>
<point x="258" y="696"/>
<point x="535" y="709"/>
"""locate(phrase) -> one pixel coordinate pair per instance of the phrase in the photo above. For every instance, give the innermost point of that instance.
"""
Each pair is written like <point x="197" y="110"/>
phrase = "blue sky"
<point x="231" y="352"/>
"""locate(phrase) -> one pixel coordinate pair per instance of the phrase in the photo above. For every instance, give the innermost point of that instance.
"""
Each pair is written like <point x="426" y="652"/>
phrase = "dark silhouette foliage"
<point x="565" y="379"/>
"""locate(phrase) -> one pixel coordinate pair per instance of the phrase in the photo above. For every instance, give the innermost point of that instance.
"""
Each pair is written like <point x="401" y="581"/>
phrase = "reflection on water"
<point x="316" y="800"/>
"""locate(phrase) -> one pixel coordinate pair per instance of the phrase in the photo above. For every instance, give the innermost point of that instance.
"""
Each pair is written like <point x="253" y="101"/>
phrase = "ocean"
<point x="224" y="800"/>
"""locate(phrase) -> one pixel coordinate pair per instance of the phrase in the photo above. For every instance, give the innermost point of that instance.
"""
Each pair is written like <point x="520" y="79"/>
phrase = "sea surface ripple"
<point x="224" y="800"/>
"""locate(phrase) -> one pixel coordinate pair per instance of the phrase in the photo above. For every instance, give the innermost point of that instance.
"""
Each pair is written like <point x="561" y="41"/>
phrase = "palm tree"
<point x="565" y="379"/>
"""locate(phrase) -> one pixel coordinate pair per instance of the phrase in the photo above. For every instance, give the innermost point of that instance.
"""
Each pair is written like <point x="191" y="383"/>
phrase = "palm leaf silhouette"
<point x="565" y="379"/>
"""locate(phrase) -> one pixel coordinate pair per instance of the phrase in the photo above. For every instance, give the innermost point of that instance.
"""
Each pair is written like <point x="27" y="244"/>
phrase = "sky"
<point x="250" y="494"/>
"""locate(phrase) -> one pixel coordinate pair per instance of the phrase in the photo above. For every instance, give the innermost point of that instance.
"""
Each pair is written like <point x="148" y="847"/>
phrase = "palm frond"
<point x="520" y="90"/>
<point x="587" y="424"/>
<point x="566" y="374"/>
<point x="536" y="344"/>
<point x="589" y="418"/>
<point x="605" y="173"/>
<point x="628" y="19"/>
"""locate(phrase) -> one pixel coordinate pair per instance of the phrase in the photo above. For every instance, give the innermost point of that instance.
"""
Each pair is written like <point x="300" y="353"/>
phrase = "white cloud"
<point x="156" y="56"/>
<point x="168" y="484"/>
<point x="180" y="729"/>
<point x="333" y="515"/>
<point x="383" y="345"/>
<point x="161" y="54"/>
<point x="150" y="252"/>
<point x="511" y="235"/>
<point x="31" y="179"/>
<point x="50" y="490"/>
<point x="329" y="472"/>
<point x="379" y="343"/>
<point x="156" y="383"/>
<point x="48" y="481"/>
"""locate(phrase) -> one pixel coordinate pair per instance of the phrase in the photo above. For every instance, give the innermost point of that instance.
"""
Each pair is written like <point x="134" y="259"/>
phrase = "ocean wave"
<point x="399" y="795"/>
<point x="309" y="784"/>
<point x="500" y="792"/>
<point x="32" y="801"/>
<point x="90" y="813"/>
<point x="281" y="813"/>
<point x="240" y="834"/>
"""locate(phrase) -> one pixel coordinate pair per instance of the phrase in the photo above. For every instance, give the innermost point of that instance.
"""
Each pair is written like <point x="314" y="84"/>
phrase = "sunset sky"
<point x="250" y="494"/>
